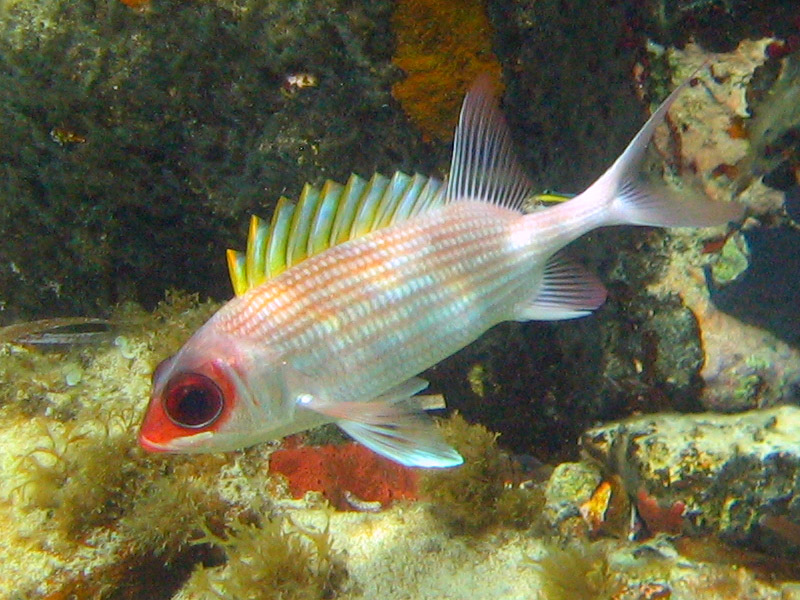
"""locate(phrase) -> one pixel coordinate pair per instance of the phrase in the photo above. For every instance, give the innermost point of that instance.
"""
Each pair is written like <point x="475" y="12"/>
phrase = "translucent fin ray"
<point x="484" y="166"/>
<point x="395" y="426"/>
<point x="325" y="217"/>
<point x="636" y="202"/>
<point x="567" y="291"/>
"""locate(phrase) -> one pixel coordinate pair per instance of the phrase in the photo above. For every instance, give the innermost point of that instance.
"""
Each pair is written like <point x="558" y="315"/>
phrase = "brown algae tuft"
<point x="77" y="487"/>
<point x="484" y="491"/>
<point x="82" y="473"/>
<point x="278" y="558"/>
<point x="578" y="572"/>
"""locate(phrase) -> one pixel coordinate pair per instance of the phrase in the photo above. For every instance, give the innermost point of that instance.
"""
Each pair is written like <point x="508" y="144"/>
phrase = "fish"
<point x="346" y="296"/>
<point x="58" y="332"/>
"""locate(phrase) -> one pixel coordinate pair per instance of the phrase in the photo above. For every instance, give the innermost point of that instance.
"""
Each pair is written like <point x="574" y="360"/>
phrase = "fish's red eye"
<point x="193" y="400"/>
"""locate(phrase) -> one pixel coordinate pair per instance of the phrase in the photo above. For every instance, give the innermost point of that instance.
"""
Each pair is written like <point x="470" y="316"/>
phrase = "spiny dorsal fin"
<point x="325" y="217"/>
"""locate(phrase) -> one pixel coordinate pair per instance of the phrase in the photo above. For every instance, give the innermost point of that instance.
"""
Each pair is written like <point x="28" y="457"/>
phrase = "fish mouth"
<point x="152" y="446"/>
<point x="189" y="443"/>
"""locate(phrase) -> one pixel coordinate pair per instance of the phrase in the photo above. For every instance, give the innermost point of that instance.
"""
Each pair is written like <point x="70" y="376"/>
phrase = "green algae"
<point x="479" y="378"/>
<point x="732" y="261"/>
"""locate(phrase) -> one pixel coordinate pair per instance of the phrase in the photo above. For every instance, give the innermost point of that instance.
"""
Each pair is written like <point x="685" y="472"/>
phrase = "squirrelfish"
<point x="350" y="293"/>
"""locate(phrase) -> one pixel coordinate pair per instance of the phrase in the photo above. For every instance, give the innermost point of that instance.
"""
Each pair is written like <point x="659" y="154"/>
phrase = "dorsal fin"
<point x="484" y="166"/>
<point x="325" y="217"/>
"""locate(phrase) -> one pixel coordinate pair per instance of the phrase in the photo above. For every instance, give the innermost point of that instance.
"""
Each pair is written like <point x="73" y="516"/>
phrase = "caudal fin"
<point x="634" y="202"/>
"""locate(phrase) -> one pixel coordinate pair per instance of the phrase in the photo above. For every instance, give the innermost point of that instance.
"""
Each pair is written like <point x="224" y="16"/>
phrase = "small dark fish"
<point x="63" y="331"/>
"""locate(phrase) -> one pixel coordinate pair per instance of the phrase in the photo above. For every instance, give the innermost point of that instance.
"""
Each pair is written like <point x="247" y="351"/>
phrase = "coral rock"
<point x="732" y="475"/>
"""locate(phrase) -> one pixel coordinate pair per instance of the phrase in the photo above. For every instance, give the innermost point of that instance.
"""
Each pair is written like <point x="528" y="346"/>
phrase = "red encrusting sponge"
<point x="349" y="475"/>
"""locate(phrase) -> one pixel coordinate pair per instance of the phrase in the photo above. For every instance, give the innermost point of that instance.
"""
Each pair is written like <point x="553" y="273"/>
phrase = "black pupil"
<point x="193" y="401"/>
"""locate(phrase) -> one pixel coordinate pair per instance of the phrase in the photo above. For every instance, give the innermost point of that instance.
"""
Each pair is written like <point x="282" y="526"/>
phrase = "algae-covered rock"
<point x="137" y="142"/>
<point x="718" y="26"/>
<point x="570" y="485"/>
<point x="732" y="262"/>
<point x="765" y="294"/>
<point x="87" y="514"/>
<point x="737" y="476"/>
<point x="745" y="326"/>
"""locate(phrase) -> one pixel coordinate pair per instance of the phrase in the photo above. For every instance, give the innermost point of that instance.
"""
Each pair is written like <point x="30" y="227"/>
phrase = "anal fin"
<point x="567" y="291"/>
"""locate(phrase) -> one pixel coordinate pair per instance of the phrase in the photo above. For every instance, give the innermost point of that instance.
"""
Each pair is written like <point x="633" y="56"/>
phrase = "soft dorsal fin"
<point x="325" y="217"/>
<point x="484" y="166"/>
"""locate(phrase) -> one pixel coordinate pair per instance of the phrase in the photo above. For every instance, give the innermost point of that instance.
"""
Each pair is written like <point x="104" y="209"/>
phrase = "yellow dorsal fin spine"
<point x="256" y="256"/>
<point x="237" y="271"/>
<point x="368" y="205"/>
<point x="346" y="214"/>
<point x="297" y="250"/>
<point x="396" y="189"/>
<point x="413" y="193"/>
<point x="326" y="217"/>
<point x="279" y="237"/>
<point x="319" y="238"/>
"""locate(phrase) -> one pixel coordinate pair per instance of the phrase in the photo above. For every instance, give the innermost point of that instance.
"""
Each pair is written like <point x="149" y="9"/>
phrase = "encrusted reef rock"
<point x="137" y="142"/>
<point x="718" y="26"/>
<point x="765" y="294"/>
<point x="737" y="476"/>
<point x="568" y="486"/>
<point x="717" y="140"/>
<point x="86" y="514"/>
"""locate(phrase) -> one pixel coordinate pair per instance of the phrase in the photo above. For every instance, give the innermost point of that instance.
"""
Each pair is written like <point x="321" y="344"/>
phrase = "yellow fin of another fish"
<point x="550" y="197"/>
<point x="325" y="217"/>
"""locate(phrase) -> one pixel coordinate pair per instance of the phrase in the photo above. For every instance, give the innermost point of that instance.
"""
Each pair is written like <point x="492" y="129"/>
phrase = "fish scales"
<point x="398" y="290"/>
<point x="341" y="335"/>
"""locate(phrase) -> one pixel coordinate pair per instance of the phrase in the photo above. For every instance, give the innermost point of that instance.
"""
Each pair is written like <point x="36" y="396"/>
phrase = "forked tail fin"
<point x="634" y="202"/>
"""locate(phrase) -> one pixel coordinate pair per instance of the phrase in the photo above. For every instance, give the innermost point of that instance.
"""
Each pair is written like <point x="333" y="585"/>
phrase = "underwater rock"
<point x="761" y="366"/>
<point x="731" y="263"/>
<point x="137" y="142"/>
<point x="735" y="476"/>
<point x="717" y="26"/>
<point x="746" y="364"/>
<point x="569" y="96"/>
<point x="774" y="124"/>
<point x="765" y="296"/>
<point x="86" y="514"/>
<point x="570" y="485"/>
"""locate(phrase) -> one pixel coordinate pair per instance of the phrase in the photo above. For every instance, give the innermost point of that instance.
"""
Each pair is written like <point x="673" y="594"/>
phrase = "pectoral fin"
<point x="392" y="425"/>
